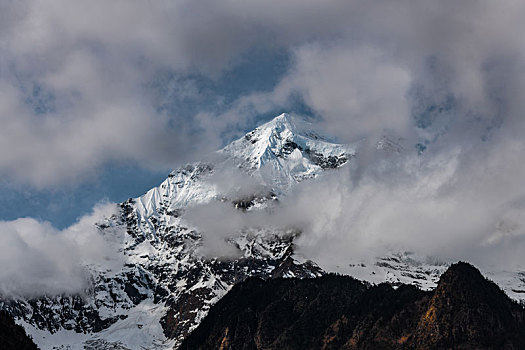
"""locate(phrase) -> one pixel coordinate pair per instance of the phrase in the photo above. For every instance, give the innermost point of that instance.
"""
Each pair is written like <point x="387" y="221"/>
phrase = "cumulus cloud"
<point x="38" y="259"/>
<point x="359" y="92"/>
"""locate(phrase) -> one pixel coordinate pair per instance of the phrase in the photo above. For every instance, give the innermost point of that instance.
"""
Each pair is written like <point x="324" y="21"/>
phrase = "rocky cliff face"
<point x="466" y="311"/>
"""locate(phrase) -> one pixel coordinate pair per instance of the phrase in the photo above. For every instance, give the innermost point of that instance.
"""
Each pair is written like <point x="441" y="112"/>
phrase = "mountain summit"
<point x="285" y="150"/>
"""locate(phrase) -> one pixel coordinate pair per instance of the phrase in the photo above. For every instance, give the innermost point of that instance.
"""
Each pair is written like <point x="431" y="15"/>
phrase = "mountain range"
<point x="166" y="272"/>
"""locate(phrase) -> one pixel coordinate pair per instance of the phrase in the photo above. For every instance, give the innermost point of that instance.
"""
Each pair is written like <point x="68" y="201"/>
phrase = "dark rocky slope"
<point x="13" y="336"/>
<point x="465" y="311"/>
<point x="468" y="311"/>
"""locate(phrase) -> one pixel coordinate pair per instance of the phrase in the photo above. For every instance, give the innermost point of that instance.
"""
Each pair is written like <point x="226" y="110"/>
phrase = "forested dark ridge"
<point x="13" y="336"/>
<point x="465" y="311"/>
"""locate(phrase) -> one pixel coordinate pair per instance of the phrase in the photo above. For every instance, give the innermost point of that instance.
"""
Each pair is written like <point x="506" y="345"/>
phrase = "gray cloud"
<point x="75" y="87"/>
<point x="359" y="91"/>
<point x="392" y="61"/>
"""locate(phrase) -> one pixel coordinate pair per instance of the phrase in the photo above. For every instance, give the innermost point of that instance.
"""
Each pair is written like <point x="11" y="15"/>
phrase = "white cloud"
<point x="359" y="92"/>
<point x="38" y="259"/>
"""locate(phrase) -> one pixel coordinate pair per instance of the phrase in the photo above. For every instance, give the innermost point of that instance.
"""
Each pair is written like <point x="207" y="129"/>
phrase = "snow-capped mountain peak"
<point x="284" y="151"/>
<point x="276" y="155"/>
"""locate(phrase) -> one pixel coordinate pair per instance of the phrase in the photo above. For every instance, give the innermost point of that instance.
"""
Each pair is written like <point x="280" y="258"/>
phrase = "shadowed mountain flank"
<point x="469" y="311"/>
<point x="13" y="336"/>
<point x="465" y="311"/>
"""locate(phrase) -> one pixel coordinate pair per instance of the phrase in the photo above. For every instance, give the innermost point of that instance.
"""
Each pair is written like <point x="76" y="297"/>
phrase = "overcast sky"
<point x="98" y="100"/>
